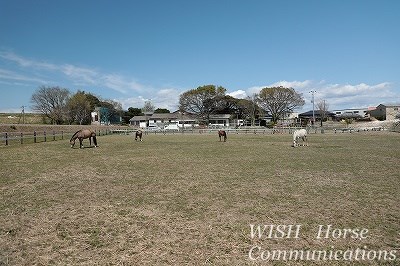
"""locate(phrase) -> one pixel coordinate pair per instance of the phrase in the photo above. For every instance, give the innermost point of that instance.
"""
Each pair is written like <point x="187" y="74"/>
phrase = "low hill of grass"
<point x="28" y="118"/>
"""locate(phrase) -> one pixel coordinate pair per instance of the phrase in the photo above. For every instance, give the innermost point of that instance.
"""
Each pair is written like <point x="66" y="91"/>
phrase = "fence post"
<point x="44" y="134"/>
<point x="34" y="136"/>
<point x="54" y="135"/>
<point x="6" y="137"/>
<point x="22" y="138"/>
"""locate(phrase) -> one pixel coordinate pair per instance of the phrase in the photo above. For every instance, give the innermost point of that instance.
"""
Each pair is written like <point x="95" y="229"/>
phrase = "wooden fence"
<point x="286" y="130"/>
<point x="9" y="138"/>
<point x="45" y="136"/>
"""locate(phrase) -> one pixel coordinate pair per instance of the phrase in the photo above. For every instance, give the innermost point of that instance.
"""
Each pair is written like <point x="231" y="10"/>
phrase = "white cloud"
<point x="15" y="58"/>
<point x="36" y="72"/>
<point x="254" y="90"/>
<point x="76" y="75"/>
<point x="167" y="98"/>
<point x="24" y="62"/>
<point x="292" y="84"/>
<point x="13" y="76"/>
<point x="164" y="98"/>
<point x="240" y="94"/>
<point x="121" y="84"/>
<point x="79" y="74"/>
<point x="136" y="102"/>
<point x="338" y="96"/>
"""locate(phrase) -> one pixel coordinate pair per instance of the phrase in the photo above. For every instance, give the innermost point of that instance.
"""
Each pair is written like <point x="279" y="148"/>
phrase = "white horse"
<point x="301" y="133"/>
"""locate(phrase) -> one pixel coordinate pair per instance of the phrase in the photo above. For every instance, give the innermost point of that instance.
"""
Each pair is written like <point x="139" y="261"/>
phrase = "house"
<point x="103" y="116"/>
<point x="179" y="119"/>
<point x="386" y="111"/>
<point x="308" y="116"/>
<point x="351" y="113"/>
<point x="220" y="120"/>
<point x="164" y="119"/>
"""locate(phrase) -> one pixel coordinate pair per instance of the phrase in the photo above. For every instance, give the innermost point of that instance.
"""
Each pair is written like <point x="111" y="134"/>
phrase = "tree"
<point x="148" y="108"/>
<point x="203" y="101"/>
<point x="131" y="113"/>
<point x="79" y="108"/>
<point x="134" y="111"/>
<point x="109" y="111"/>
<point x="93" y="100"/>
<point x="279" y="101"/>
<point x="161" y="111"/>
<point x="227" y="105"/>
<point x="51" y="102"/>
<point x="323" y="107"/>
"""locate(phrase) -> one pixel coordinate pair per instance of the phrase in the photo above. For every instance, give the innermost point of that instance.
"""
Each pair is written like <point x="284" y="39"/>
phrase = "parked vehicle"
<point x="153" y="128"/>
<point x="172" y="127"/>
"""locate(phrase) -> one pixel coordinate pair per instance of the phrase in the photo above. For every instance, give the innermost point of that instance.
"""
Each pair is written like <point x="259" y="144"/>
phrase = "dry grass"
<point x="176" y="200"/>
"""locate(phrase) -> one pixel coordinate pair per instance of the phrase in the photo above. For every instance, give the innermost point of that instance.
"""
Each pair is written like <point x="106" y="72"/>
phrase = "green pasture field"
<point x="191" y="200"/>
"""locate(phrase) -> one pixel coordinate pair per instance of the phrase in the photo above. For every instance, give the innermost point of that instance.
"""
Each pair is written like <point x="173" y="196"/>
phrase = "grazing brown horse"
<point x="83" y="134"/>
<point x="138" y="135"/>
<point x="222" y="133"/>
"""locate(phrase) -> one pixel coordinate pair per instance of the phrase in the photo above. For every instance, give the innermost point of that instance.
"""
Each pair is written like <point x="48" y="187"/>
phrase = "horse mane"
<point x="75" y="134"/>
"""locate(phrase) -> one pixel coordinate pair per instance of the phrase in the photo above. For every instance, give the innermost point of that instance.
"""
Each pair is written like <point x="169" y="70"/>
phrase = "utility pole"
<point x="313" y="106"/>
<point x="22" y="114"/>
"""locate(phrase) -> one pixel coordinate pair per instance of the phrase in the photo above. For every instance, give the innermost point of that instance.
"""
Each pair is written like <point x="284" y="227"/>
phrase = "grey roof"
<point x="138" y="118"/>
<point x="316" y="113"/>
<point x="164" y="116"/>
<point x="390" y="104"/>
<point x="220" y="116"/>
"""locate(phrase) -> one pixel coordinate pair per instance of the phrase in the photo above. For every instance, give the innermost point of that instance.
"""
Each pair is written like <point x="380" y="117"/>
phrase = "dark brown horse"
<point x="222" y="133"/>
<point x="83" y="134"/>
<point x="138" y="135"/>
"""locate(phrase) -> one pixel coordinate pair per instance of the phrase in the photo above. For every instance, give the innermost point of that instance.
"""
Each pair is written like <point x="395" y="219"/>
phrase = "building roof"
<point x="138" y="118"/>
<point x="220" y="116"/>
<point x="389" y="104"/>
<point x="163" y="116"/>
<point x="316" y="113"/>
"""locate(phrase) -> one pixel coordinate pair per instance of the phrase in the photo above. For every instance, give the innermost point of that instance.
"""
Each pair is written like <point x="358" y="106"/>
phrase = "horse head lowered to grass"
<point x="138" y="135"/>
<point x="300" y="134"/>
<point x="83" y="134"/>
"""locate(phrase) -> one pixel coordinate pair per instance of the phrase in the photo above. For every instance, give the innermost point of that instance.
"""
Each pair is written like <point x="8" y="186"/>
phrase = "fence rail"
<point x="286" y="130"/>
<point x="8" y="138"/>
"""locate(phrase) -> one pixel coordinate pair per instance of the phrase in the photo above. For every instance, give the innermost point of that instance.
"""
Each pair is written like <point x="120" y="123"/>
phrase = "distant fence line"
<point x="283" y="130"/>
<point x="206" y="130"/>
<point x="9" y="138"/>
<point x="396" y="127"/>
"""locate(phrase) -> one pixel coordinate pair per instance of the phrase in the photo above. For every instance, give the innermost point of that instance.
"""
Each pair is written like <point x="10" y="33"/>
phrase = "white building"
<point x="355" y="112"/>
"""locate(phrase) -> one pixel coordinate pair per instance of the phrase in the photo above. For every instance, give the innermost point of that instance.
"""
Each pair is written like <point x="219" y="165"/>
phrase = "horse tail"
<point x="94" y="140"/>
<point x="93" y="135"/>
<point x="72" y="138"/>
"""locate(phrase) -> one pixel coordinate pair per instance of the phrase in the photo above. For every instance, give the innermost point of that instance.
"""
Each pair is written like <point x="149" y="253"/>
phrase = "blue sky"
<point x="131" y="51"/>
